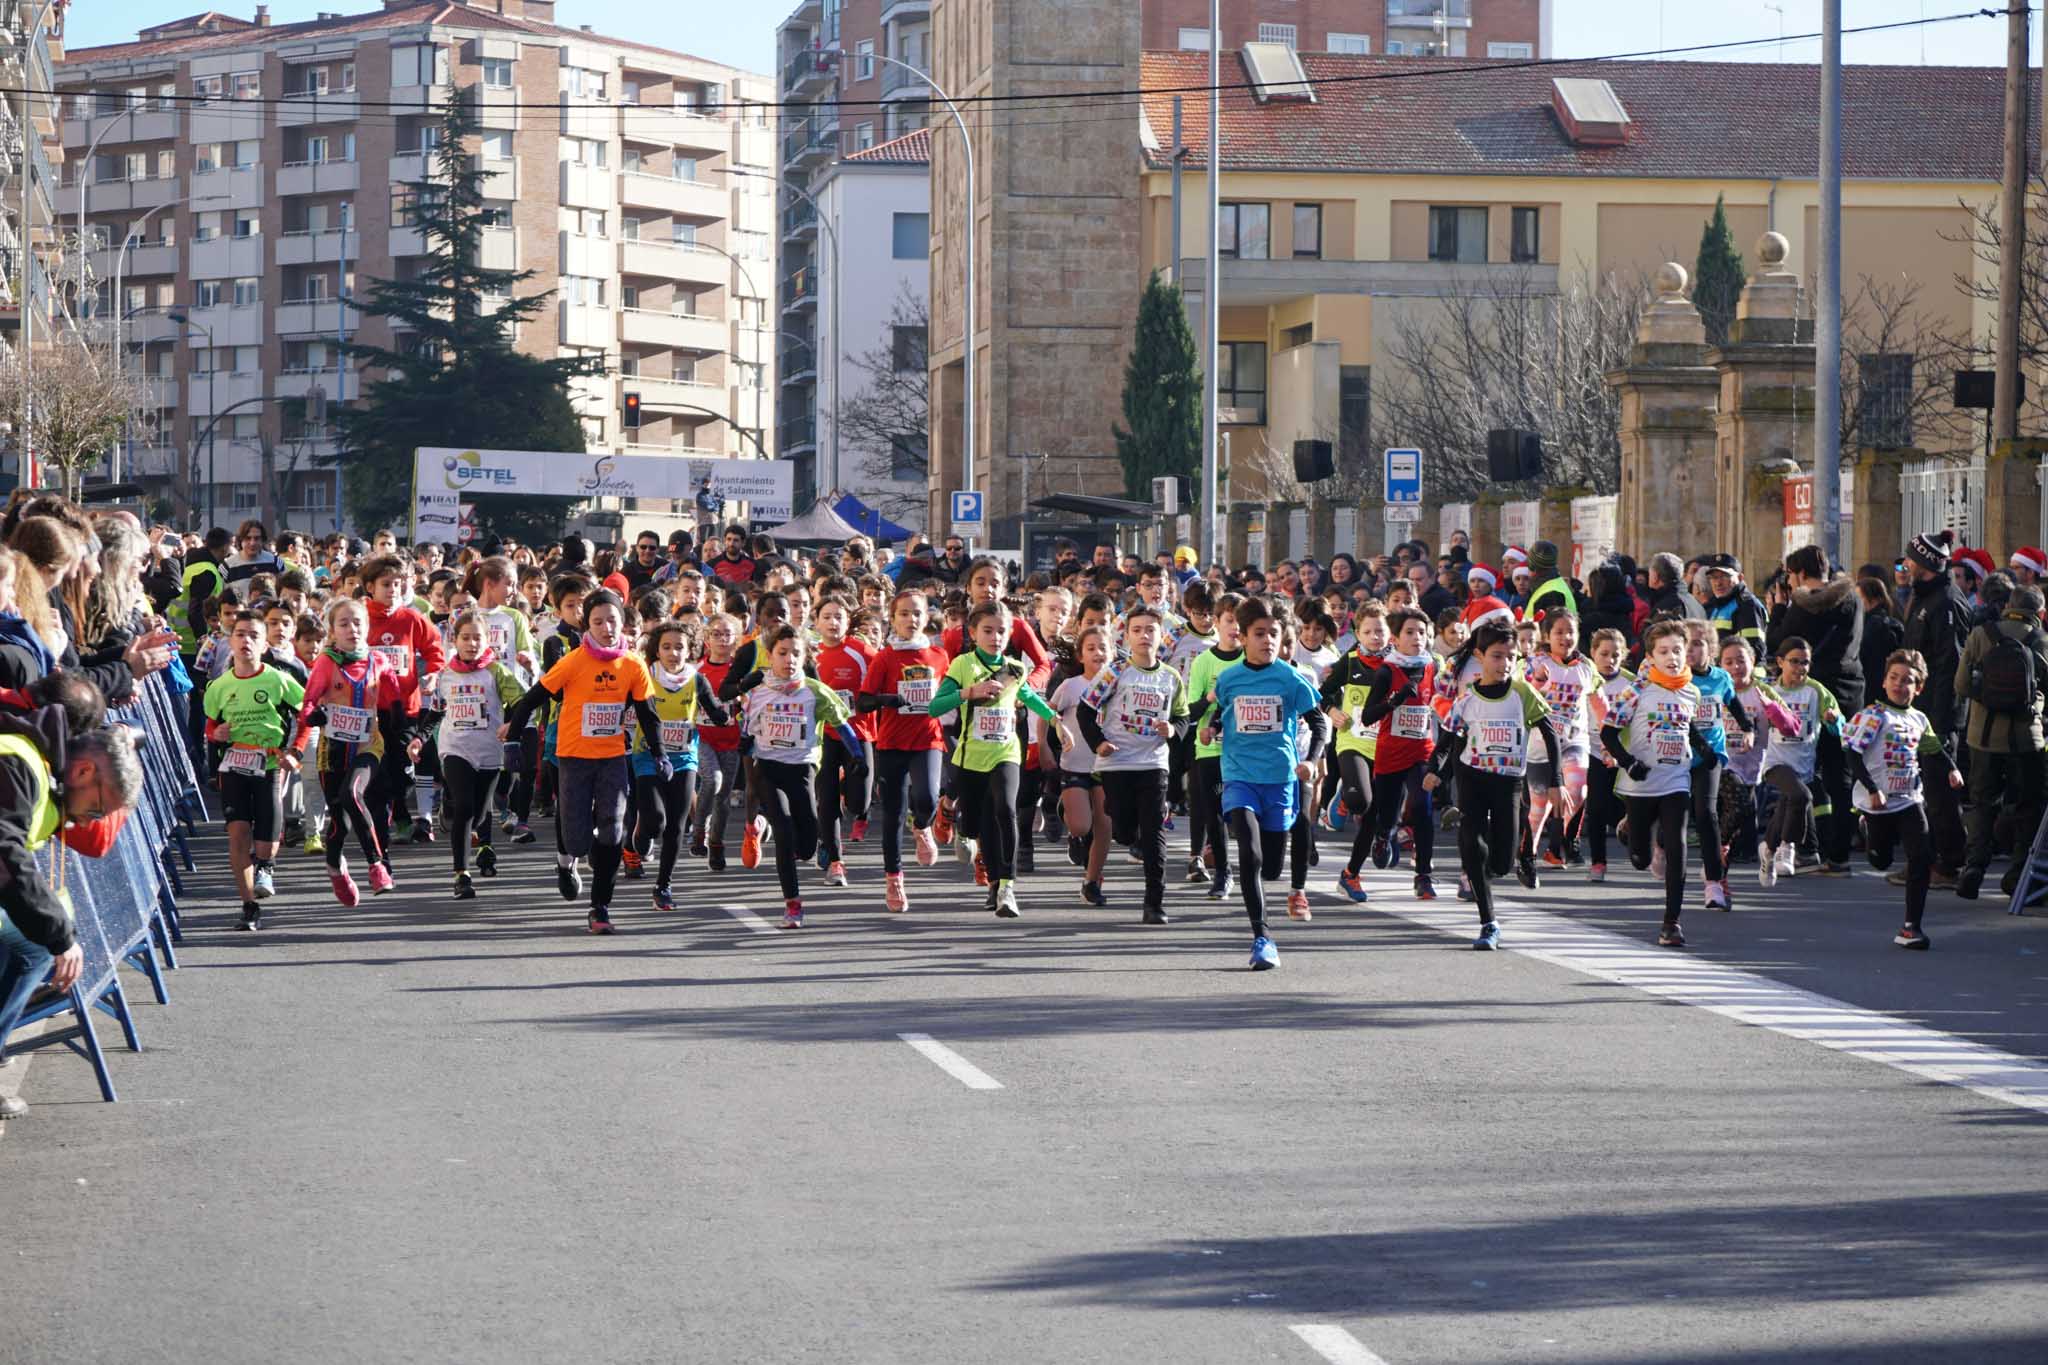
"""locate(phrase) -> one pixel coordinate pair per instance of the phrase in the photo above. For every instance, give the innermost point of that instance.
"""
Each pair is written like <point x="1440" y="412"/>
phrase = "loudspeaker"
<point x="1314" y="461"/>
<point x="1514" y="456"/>
<point x="1976" y="389"/>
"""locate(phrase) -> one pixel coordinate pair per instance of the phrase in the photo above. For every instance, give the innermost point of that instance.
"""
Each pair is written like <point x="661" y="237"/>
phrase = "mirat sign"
<point x="442" y="477"/>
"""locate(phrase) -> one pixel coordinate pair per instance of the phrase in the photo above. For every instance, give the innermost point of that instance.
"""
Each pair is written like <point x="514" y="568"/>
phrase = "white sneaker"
<point x="1766" y="864"/>
<point x="1788" y="860"/>
<point x="1717" y="896"/>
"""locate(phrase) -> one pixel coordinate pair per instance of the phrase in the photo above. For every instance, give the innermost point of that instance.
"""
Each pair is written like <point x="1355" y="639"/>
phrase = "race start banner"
<point x="445" y="477"/>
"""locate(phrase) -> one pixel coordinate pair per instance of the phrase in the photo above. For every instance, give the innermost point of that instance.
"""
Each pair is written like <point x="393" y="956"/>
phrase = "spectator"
<point x="1668" y="596"/>
<point x="2001" y="673"/>
<point x="1882" y="631"/>
<point x="640" y="570"/>
<point x="733" y="565"/>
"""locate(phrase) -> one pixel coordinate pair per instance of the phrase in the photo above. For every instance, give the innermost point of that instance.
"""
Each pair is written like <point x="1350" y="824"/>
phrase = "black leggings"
<point x="1661" y="818"/>
<point x="1259" y="854"/>
<point x="664" y="810"/>
<point x="1488" y="831"/>
<point x="987" y="809"/>
<point x="1706" y="818"/>
<point x="1908" y="827"/>
<point x="346" y="789"/>
<point x="836" y="790"/>
<point x="467" y="792"/>
<point x="1353" y="771"/>
<point x="1793" y="815"/>
<point x="901" y="771"/>
<point x="521" y="774"/>
<point x="1205" y="807"/>
<point x="1398" y="797"/>
<point x="1298" y="839"/>
<point x="394" y="770"/>
<point x="1602" y="805"/>
<point x="1136" y="802"/>
<point x="785" y="794"/>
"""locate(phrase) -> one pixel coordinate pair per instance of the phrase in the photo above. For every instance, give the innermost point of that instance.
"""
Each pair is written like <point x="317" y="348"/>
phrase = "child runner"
<point x="1566" y="680"/>
<point x="253" y="707"/>
<point x="493" y="583"/>
<point x="897" y="692"/>
<point x="1486" y="737"/>
<point x="1610" y="647"/>
<point x="1128" y="717"/>
<point x="842" y="665"/>
<point x="1403" y="728"/>
<point x="1081" y="802"/>
<point x="344" y="696"/>
<point x="679" y="695"/>
<point x="1208" y="832"/>
<point x="1887" y="746"/>
<point x="471" y="695"/>
<point x="1650" y="732"/>
<point x="409" y="644"/>
<point x="1718" y="705"/>
<point x="1789" y="761"/>
<point x="1746" y="748"/>
<point x="719" y="747"/>
<point x="1198" y="635"/>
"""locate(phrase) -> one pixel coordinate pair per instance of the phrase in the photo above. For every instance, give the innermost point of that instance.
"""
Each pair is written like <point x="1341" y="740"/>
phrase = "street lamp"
<point x="184" y="319"/>
<point x="832" y="233"/>
<point x="85" y="184"/>
<point x="748" y="280"/>
<point x="120" y="316"/>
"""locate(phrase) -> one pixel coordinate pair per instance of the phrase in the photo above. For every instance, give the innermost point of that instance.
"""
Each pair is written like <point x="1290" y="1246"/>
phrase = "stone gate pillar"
<point x="1764" y="421"/>
<point x="1668" y="391"/>
<point x="2012" y="496"/>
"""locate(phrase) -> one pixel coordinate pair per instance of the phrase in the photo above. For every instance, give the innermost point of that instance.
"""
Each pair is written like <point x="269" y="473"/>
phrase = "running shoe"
<point x="1766" y="865"/>
<point x="632" y="862"/>
<point x="793" y="914"/>
<point x="1670" y="936"/>
<point x="715" y="857"/>
<point x="1219" y="885"/>
<point x="294" y="830"/>
<point x="1788" y="861"/>
<point x="314" y="843"/>
<point x="1552" y="859"/>
<point x="859" y="833"/>
<point x="1169" y="824"/>
<point x="1092" y="893"/>
<point x="380" y="879"/>
<point x="599" y="921"/>
<point x="465" y="889"/>
<point x="1333" y="816"/>
<point x="1265" y="954"/>
<point x="2009" y="883"/>
<point x="569" y="883"/>
<point x="1196" y="872"/>
<point x="1597" y="873"/>
<point x="1006" y="902"/>
<point x="1425" y="889"/>
<point x="697" y="848"/>
<point x="486" y="861"/>
<point x="980" y="871"/>
<point x="1572" y="856"/>
<point x="942" y="827"/>
<point x="423" y="833"/>
<point x="1489" y="937"/>
<point x="1297" y="906"/>
<point x="264" y="884"/>
<point x="750" y="846"/>
<point x="1347" y="882"/>
<point x="927" y="847"/>
<point x="1464" y="887"/>
<point x="252" y="915"/>
<point x="1909" y="936"/>
<point x="835" y="874"/>
<point x="344" y="886"/>
<point x="1077" y="854"/>
<point x="664" y="899"/>
<point x="1717" y="896"/>
<point x="1969" y="883"/>
<point x="1525" y="871"/>
<point x="1155" y="914"/>
<point x="893" y="897"/>
<point x="1382" y="853"/>
<point x="522" y="833"/>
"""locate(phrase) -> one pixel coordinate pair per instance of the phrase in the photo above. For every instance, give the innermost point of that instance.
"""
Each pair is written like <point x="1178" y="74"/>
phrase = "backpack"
<point x="2005" y="679"/>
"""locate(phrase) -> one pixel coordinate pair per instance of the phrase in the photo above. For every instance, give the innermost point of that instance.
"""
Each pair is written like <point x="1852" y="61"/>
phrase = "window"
<point x="207" y="87"/>
<point x="316" y="149"/>
<point x="426" y="138"/>
<point x="207" y="293"/>
<point x="206" y="158"/>
<point x="586" y="151"/>
<point x="1523" y="240"/>
<point x="1353" y="44"/>
<point x="752" y="245"/>
<point x="1241" y="380"/>
<point x="1297" y="336"/>
<point x="907" y="460"/>
<point x="682" y="168"/>
<point x="682" y="234"/>
<point x="348" y="75"/>
<point x="249" y="149"/>
<point x="135" y="166"/>
<point x="1396" y="48"/>
<point x="1884" y="404"/>
<point x="863" y="137"/>
<point x="312" y="80"/>
<point x="907" y="350"/>
<point x="1354" y="410"/>
<point x="583" y="84"/>
<point x="419" y="64"/>
<point x="632" y="161"/>
<point x="1511" y="51"/>
<point x="1457" y="234"/>
<point x="315" y="288"/>
<point x="629" y="229"/>
<point x="1275" y="33"/>
<point x="497" y="144"/>
<point x="248" y="292"/>
<point x="910" y="236"/>
<point x="629" y="296"/>
<point x="629" y="363"/>
<point x="497" y="73"/>
<point x="1308" y="232"/>
<point x="864" y="59"/>
<point x="683" y="303"/>
<point x="1194" y="40"/>
<point x="583" y="290"/>
<point x="248" y="223"/>
<point x="1244" y="231"/>
<point x="205" y="226"/>
<point x="247" y="85"/>
<point x="496" y="217"/>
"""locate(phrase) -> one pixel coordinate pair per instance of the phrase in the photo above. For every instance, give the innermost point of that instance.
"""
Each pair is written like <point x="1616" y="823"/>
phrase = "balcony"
<point x="405" y="241"/>
<point x="158" y="392"/>
<point x="674" y="261"/>
<point x="799" y="221"/>
<point x="149" y="326"/>
<point x="586" y="187"/>
<point x="583" y="325"/>
<point x="798" y="433"/>
<point x="666" y="194"/>
<point x="227" y="325"/>
<point x="1427" y="13"/>
<point x="810" y="141"/>
<point x="800" y="290"/>
<point x="310" y="246"/>
<point x="312" y="317"/>
<point x="501" y="176"/>
<point x="230" y="187"/>
<point x="673" y="331"/>
<point x="798" y="364"/>
<point x="810" y="71"/>
<point x="498" y="107"/>
<point x="896" y="81"/>
<point x="411" y="168"/>
<point x="661" y="125"/>
<point x="682" y="396"/>
<point x="138" y="260"/>
<point x="581" y="255"/>
<point x="318" y="177"/>
<point x="220" y="258"/>
<point x="302" y="110"/>
<point x="416" y="99"/>
<point x="902" y="11"/>
<point x="228" y="389"/>
<point x="112" y="196"/>
<point x="145" y="124"/>
<point x="297" y="382"/>
<point x="499" y="249"/>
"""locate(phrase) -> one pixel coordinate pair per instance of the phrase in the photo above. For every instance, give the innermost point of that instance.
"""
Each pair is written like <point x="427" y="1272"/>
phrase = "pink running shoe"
<point x="380" y="879"/>
<point x="927" y="847"/>
<point x="893" y="896"/>
<point x="344" y="886"/>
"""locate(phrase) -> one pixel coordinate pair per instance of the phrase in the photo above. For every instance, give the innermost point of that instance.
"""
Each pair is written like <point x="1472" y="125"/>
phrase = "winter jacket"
<point x="1609" y="606"/>
<point x="1937" y="623"/>
<point x="1830" y="619"/>
<point x="1675" y="601"/>
<point x="1738" y="615"/>
<point x="2003" y="734"/>
<point x="26" y="899"/>
<point x="1882" y="634"/>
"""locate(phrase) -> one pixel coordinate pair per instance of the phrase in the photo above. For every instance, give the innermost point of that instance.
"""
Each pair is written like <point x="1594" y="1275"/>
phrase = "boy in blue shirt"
<point x="1255" y="706"/>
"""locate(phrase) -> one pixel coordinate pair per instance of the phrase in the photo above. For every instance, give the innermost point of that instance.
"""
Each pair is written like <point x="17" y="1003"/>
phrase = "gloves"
<point x="315" y="719"/>
<point x="1639" y="770"/>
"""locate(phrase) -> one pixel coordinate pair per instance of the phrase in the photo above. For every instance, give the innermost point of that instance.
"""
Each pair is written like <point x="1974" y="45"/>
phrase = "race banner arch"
<point x="444" y="477"/>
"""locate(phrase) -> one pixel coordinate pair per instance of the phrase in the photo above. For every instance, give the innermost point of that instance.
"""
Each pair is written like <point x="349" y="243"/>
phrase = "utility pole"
<point x="1827" y="361"/>
<point x="2012" y="229"/>
<point x="1212" y="288"/>
<point x="1180" y="153"/>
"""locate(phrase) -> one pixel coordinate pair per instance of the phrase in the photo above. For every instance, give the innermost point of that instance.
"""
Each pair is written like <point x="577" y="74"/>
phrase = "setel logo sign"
<point x="468" y="470"/>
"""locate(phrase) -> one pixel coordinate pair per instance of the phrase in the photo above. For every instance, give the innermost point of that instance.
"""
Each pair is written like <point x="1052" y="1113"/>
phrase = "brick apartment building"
<point x="1395" y="28"/>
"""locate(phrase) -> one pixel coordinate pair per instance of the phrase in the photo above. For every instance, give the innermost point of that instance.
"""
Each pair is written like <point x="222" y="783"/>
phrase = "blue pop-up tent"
<point x="868" y="521"/>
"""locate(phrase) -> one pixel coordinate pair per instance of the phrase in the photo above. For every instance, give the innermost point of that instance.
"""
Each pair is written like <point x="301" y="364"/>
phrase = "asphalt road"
<point x="423" y="1130"/>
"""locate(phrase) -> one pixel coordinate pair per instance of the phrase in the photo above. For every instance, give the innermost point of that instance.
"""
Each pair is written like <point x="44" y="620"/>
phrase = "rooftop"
<point x="912" y="149"/>
<point x="1686" y="120"/>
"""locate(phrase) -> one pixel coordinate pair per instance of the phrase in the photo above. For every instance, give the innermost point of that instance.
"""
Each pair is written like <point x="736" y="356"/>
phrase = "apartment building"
<point x="29" y="35"/>
<point x="1500" y="29"/>
<point x="244" y="179"/>
<point x="863" y="62"/>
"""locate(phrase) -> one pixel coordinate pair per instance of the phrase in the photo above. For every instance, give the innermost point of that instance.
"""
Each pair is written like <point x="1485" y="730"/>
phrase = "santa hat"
<point x="1512" y="556"/>
<point x="1499" y="616"/>
<point x="2031" y="558"/>
<point x="1483" y="571"/>
<point x="1978" y="560"/>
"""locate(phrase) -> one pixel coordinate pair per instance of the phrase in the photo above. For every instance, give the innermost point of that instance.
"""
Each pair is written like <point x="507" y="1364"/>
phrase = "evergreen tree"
<point x="452" y="376"/>
<point x="1161" y="433"/>
<point x="1717" y="276"/>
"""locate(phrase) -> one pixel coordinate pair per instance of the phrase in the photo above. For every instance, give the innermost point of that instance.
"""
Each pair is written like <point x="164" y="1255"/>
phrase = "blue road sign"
<point x="966" y="512"/>
<point x="1403" y="476"/>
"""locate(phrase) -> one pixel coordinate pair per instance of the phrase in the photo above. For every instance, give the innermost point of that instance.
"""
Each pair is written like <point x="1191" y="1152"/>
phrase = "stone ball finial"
<point x="1671" y="279"/>
<point x="1772" y="249"/>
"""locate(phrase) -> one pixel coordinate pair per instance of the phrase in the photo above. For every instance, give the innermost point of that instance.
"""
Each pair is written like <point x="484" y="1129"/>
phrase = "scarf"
<point x="671" y="682"/>
<point x="1407" y="663"/>
<point x="918" y="641"/>
<point x="599" y="652"/>
<point x="345" y="657"/>
<point x="1673" y="681"/>
<point x="478" y="665"/>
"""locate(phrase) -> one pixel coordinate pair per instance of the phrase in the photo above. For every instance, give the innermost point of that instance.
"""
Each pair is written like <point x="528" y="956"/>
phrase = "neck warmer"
<point x="1673" y="681"/>
<point x="476" y="665"/>
<point x="347" y="656"/>
<point x="918" y="641"/>
<point x="1407" y="663"/>
<point x="671" y="682"/>
<point x="599" y="652"/>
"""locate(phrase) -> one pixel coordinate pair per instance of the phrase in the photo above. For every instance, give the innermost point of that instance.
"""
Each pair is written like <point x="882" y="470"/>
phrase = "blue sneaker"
<point x="266" y="887"/>
<point x="824" y="859"/>
<point x="1265" y="956"/>
<point x="1333" y="816"/>
<point x="1489" y="937"/>
<point x="1347" y="882"/>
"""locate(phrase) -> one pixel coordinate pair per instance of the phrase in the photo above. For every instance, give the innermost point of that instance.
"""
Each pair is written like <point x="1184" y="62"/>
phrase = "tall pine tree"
<point x="1717" y="276"/>
<point x="1161" y="434"/>
<point x="452" y="376"/>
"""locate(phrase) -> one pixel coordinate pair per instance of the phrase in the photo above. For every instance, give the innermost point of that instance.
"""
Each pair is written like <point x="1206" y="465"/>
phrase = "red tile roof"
<point x="1690" y="120"/>
<point x="912" y="149"/>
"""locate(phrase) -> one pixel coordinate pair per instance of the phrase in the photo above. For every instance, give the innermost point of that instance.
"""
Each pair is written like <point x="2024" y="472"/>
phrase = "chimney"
<point x="263" y="16"/>
<point x="542" y="10"/>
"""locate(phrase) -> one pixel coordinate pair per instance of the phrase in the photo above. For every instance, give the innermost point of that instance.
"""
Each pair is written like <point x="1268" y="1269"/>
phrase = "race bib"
<point x="675" y="735"/>
<point x="1899" y="783"/>
<point x="1498" y="739"/>
<point x="995" y="725"/>
<point x="398" y="656"/>
<point x="1256" y="715"/>
<point x="917" y="694"/>
<point x="780" y="732"/>
<point x="846" y="700"/>
<point x="350" y="724"/>
<point x="248" y="762"/>
<point x="466" y="715"/>
<point x="500" y="636"/>
<point x="1670" y="747"/>
<point x="1708" y="715"/>
<point x="603" y="719"/>
<point x="1411" y="722"/>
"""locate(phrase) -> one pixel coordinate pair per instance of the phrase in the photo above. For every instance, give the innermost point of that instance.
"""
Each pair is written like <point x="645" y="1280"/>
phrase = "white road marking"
<point x="750" y="919"/>
<point x="1744" y="996"/>
<point x="1335" y="1345"/>
<point x="951" y="1062"/>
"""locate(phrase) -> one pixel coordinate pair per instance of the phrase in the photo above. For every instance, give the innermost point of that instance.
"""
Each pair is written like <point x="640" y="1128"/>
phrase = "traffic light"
<point x="316" y="406"/>
<point x="632" y="412"/>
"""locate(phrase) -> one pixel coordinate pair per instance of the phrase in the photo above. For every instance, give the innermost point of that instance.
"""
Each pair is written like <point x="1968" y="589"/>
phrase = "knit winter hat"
<point x="1931" y="552"/>
<point x="1543" y="560"/>
<point x="1482" y="571"/>
<point x="2030" y="558"/>
<point x="1979" y="561"/>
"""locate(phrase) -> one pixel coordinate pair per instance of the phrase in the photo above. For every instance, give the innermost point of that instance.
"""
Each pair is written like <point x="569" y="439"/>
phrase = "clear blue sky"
<point x="743" y="34"/>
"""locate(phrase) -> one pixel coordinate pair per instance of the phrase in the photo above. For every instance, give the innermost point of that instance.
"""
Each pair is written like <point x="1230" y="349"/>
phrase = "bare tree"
<point x="885" y="422"/>
<point x="1498" y="352"/>
<point x="1985" y="240"/>
<point x="73" y="404"/>
<point x="1898" y="364"/>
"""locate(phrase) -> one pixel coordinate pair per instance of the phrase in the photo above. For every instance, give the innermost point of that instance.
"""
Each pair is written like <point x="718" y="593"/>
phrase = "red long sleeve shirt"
<point x="409" y="643"/>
